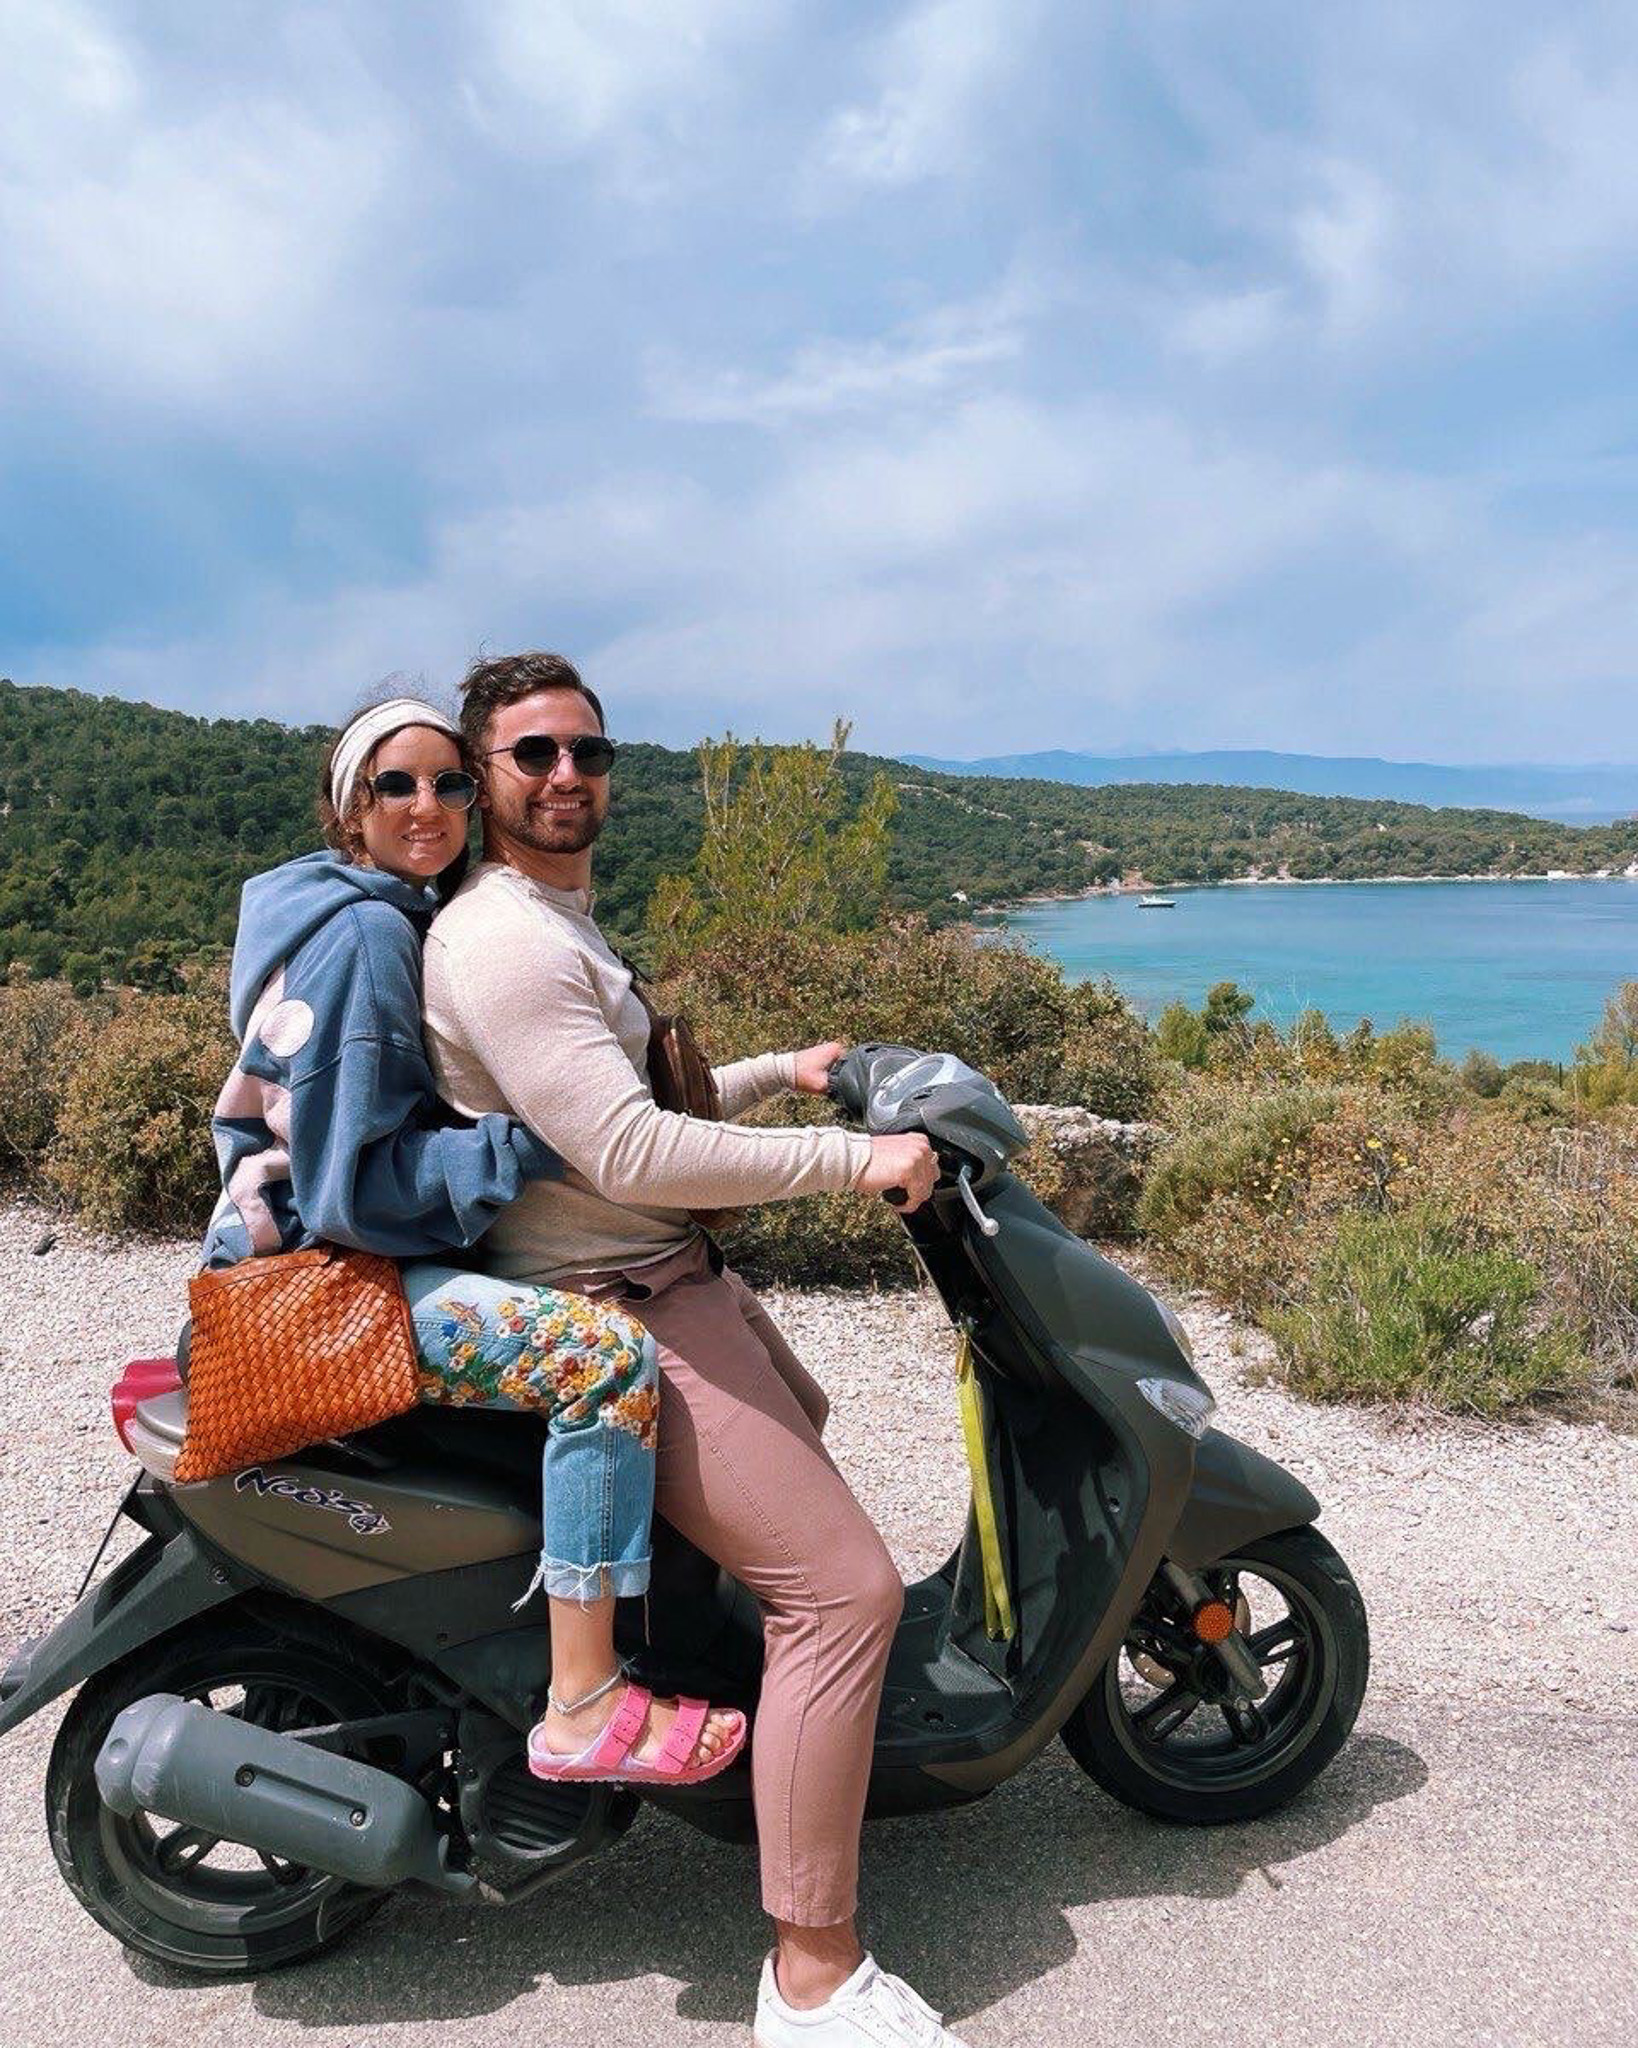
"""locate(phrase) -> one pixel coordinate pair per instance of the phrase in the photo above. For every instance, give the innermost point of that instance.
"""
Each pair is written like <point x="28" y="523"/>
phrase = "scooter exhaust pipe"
<point x="187" y="1763"/>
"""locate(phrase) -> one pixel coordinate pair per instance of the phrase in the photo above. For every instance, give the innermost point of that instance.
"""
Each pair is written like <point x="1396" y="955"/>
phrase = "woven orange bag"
<point x="290" y="1349"/>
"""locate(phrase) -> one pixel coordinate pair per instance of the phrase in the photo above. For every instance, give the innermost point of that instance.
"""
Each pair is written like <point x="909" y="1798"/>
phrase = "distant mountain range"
<point x="1572" y="796"/>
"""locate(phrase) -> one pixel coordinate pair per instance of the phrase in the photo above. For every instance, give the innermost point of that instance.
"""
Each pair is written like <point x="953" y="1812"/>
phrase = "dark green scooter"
<point x="306" y="1686"/>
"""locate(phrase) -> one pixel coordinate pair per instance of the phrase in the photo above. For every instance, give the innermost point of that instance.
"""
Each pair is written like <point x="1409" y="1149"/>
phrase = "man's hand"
<point x="814" y="1063"/>
<point x="908" y="1162"/>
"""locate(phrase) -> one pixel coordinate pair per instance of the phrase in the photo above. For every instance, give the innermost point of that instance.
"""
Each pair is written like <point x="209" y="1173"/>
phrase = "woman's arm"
<point x="371" y="1165"/>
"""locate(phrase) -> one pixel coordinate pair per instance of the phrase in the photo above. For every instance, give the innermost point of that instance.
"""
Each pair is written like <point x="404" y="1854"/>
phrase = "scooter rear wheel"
<point x="212" y="1908"/>
<point x="1160" y="1729"/>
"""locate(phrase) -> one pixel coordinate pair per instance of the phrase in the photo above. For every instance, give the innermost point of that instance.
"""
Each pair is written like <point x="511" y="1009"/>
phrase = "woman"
<point x="329" y="1129"/>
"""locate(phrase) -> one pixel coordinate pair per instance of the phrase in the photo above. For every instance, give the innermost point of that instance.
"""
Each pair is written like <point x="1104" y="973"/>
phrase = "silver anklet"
<point x="586" y="1698"/>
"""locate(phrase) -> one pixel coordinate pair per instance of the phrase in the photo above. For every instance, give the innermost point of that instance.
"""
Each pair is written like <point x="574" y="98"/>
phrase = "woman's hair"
<point x="342" y="833"/>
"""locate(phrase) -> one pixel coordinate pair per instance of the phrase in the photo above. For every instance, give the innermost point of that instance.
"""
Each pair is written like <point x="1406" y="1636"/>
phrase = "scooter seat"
<point x="478" y="1437"/>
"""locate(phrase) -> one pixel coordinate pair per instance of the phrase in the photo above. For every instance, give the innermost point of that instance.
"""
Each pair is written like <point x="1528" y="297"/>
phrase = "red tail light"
<point x="141" y="1380"/>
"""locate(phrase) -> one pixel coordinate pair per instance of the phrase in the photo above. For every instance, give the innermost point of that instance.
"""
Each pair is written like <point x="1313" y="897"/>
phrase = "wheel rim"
<point x="1172" y="1715"/>
<point x="208" y="1884"/>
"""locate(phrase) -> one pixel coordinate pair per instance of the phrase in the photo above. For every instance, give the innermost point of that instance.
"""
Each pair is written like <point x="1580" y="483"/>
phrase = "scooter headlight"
<point x="1191" y="1408"/>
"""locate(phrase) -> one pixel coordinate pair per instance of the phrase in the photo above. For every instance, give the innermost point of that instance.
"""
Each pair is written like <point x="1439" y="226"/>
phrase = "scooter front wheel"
<point x="1162" y="1729"/>
<point x="201" y="1904"/>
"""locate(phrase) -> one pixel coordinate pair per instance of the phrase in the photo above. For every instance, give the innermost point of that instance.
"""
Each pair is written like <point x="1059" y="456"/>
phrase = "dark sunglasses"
<point x="453" y="787"/>
<point x="536" y="753"/>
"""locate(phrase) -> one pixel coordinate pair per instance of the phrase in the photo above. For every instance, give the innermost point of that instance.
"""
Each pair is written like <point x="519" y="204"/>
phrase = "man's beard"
<point x="555" y="832"/>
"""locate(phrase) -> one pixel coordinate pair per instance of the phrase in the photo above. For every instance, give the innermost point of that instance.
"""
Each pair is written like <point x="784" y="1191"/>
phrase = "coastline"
<point x="1140" y="887"/>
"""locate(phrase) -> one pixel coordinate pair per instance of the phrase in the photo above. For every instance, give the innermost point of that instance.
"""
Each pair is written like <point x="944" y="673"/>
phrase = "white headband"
<point x="366" y="733"/>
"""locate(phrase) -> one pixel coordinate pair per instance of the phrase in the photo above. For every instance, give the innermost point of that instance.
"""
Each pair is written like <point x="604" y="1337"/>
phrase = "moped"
<point x="306" y="1686"/>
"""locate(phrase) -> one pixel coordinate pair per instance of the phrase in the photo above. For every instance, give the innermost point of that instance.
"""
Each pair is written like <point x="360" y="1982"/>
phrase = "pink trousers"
<point x="743" y="1475"/>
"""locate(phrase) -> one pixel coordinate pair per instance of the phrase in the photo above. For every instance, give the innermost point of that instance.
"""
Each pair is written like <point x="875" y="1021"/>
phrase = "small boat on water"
<point x="1157" y="903"/>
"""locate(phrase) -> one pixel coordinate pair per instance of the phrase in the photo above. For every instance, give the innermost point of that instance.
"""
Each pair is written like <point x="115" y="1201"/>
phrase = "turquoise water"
<point x="1519" y="969"/>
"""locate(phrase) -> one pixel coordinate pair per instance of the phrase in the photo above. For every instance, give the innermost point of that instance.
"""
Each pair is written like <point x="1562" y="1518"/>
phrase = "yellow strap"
<point x="997" y="1600"/>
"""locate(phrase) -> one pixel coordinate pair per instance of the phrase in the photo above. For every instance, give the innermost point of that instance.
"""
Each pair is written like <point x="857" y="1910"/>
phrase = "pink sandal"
<point x="608" y="1757"/>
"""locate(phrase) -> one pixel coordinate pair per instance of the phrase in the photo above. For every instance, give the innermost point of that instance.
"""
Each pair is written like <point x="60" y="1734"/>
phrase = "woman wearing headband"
<point x="329" y="1129"/>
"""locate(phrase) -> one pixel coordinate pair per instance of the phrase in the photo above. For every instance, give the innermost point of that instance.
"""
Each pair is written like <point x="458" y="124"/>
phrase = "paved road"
<point x="1453" y="1880"/>
<point x="1463" y="1873"/>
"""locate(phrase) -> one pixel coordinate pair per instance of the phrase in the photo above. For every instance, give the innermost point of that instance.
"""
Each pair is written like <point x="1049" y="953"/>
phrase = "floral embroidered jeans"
<point x="592" y="1372"/>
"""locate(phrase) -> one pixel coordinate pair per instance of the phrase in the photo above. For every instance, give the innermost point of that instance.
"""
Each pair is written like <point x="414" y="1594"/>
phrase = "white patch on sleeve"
<point x="286" y="1028"/>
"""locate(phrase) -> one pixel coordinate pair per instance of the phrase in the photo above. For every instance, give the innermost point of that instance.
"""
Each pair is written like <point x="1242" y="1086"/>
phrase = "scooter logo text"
<point x="362" y="1519"/>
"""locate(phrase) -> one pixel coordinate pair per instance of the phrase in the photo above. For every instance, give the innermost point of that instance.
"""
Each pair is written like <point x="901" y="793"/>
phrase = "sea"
<point x="1517" y="969"/>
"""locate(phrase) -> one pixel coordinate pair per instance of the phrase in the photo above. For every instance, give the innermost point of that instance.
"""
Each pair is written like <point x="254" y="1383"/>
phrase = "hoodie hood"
<point x="281" y="910"/>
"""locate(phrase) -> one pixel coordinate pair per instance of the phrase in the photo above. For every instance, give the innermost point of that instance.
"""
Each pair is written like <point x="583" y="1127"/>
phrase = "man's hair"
<point x="489" y="686"/>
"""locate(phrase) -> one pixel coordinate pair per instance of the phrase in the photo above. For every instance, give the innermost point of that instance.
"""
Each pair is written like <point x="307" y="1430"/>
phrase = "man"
<point x="529" y="1011"/>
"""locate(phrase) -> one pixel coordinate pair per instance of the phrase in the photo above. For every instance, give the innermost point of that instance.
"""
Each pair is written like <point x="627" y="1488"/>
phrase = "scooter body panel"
<point x="163" y="1583"/>
<point x="1237" y="1496"/>
<point x="423" y="1501"/>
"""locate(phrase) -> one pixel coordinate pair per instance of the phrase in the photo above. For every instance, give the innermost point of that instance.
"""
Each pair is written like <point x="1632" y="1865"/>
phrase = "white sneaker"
<point x="871" y="2010"/>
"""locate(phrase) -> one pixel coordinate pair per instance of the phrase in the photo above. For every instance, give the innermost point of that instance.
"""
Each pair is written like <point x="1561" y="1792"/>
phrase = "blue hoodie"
<point x="329" y="1126"/>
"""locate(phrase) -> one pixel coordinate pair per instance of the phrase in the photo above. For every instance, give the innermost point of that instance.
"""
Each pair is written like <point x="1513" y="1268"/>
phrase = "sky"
<point x="994" y="374"/>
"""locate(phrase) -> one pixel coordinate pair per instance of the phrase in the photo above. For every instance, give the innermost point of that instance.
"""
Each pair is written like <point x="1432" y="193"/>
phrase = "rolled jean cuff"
<point x="626" y="1579"/>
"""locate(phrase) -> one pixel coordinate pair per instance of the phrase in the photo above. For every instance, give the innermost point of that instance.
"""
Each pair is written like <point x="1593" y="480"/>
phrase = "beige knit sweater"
<point x="529" y="1011"/>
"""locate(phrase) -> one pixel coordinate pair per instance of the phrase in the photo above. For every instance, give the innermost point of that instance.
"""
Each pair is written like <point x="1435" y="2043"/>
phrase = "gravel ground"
<point x="1463" y="1870"/>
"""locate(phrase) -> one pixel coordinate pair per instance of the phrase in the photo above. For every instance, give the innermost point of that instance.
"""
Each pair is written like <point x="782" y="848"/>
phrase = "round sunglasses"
<point x="536" y="753"/>
<point x="453" y="787"/>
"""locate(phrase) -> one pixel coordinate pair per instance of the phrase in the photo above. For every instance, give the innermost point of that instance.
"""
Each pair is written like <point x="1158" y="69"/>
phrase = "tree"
<point x="1607" y="1065"/>
<point x="83" y="973"/>
<point x="1227" y="1008"/>
<point x="1481" y="1074"/>
<point x="1180" y="1035"/>
<point x="777" y="854"/>
<point x="1615" y="1042"/>
<point x="1313" y="1040"/>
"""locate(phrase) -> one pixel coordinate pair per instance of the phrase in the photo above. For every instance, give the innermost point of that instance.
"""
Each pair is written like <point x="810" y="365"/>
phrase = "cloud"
<point x="1082" y="370"/>
<point x="628" y="79"/>
<point x="922" y="361"/>
<point x="175" y="246"/>
<point x="933" y="73"/>
<point x="1419" y="193"/>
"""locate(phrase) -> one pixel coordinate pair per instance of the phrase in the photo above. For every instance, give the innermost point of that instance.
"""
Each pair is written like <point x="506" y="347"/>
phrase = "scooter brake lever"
<point x="988" y="1224"/>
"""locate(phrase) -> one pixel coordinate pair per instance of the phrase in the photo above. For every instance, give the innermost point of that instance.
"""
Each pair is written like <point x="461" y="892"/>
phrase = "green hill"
<point x="125" y="832"/>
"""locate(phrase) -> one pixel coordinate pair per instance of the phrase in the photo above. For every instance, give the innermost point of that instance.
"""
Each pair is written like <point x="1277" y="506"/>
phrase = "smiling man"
<point x="528" y="1008"/>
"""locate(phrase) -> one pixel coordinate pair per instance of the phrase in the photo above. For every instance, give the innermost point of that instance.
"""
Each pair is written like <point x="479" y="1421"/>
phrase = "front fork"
<point x="1208" y="1616"/>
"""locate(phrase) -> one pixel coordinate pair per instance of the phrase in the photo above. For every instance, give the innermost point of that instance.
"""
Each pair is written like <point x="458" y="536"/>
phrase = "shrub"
<point x="1226" y="1009"/>
<point x="1231" y="1144"/>
<point x="1531" y="1101"/>
<point x="1314" y="1043"/>
<point x="1566" y="1200"/>
<point x="846" y="1240"/>
<point x="42" y="1029"/>
<point x="1480" y="1074"/>
<point x="1406" y="1060"/>
<point x="1416" y="1306"/>
<point x="1006" y="1010"/>
<point x="133" y="1142"/>
<point x="1246" y="1193"/>
<point x="1002" y="1009"/>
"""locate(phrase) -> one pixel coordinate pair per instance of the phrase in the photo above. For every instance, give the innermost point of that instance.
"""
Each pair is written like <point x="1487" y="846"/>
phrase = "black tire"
<point x="1203" y="1777"/>
<point x="211" y="1915"/>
